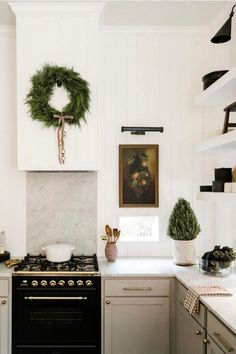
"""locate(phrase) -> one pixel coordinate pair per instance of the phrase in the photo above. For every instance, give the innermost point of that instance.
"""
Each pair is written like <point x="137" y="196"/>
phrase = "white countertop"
<point x="223" y="307"/>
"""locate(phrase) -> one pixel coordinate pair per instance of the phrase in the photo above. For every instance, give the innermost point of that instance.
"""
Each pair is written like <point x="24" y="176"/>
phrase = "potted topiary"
<point x="183" y="228"/>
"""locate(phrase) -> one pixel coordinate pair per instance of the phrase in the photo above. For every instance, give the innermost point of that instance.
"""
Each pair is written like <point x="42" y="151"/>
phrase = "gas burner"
<point x="39" y="264"/>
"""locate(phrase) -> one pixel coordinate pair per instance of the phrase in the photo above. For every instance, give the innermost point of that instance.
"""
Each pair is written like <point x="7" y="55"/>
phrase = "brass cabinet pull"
<point x="205" y="340"/>
<point x="4" y="302"/>
<point x="197" y="332"/>
<point x="145" y="288"/>
<point x="223" y="342"/>
<point x="79" y="298"/>
<point x="108" y="302"/>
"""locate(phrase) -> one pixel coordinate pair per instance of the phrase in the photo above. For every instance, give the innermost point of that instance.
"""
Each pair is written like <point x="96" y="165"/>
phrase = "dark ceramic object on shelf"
<point x="205" y="188"/>
<point x="218" y="186"/>
<point x="223" y="174"/>
<point x="210" y="78"/>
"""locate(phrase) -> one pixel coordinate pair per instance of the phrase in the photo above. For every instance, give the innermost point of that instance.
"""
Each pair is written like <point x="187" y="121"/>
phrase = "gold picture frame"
<point x="139" y="176"/>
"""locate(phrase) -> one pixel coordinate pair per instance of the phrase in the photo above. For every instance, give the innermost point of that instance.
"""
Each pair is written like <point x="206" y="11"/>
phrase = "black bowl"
<point x="210" y="78"/>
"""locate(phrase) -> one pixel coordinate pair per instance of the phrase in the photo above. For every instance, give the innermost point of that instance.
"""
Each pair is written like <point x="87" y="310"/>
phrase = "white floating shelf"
<point x="222" y="142"/>
<point x="217" y="197"/>
<point x="222" y="91"/>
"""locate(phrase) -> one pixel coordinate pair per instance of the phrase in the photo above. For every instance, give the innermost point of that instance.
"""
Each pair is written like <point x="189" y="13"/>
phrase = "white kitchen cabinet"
<point x="136" y="316"/>
<point x="53" y="27"/>
<point x="4" y="325"/>
<point x="4" y="317"/>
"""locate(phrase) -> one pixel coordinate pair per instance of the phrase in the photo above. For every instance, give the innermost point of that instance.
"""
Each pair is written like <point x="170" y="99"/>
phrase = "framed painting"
<point x="138" y="176"/>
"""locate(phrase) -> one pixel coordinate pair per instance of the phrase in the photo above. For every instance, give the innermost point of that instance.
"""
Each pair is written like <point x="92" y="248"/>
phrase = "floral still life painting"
<point x="138" y="176"/>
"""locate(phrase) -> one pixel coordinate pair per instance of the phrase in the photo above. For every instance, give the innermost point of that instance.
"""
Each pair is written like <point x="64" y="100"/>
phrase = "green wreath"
<point x="43" y="84"/>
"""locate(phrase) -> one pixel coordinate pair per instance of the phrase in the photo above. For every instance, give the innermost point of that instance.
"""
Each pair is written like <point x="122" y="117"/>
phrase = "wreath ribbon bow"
<point x="60" y="135"/>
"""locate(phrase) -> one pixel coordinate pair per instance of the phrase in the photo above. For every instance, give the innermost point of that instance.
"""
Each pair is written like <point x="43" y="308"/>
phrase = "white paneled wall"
<point x="12" y="182"/>
<point x="150" y="77"/>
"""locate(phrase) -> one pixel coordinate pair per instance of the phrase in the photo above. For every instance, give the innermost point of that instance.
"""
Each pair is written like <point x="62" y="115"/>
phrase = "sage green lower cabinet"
<point x="136" y="318"/>
<point x="4" y="317"/>
<point x="190" y="334"/>
<point x="220" y="338"/>
<point x="191" y="330"/>
<point x="213" y="348"/>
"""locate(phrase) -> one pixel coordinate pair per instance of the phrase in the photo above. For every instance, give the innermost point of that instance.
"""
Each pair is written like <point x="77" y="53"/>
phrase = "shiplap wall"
<point x="12" y="182"/>
<point x="150" y="77"/>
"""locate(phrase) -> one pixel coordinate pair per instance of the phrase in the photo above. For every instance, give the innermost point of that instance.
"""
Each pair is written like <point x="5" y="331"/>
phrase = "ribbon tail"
<point x="60" y="138"/>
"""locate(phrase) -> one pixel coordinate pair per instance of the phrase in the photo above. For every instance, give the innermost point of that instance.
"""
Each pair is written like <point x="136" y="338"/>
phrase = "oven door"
<point x="56" y="318"/>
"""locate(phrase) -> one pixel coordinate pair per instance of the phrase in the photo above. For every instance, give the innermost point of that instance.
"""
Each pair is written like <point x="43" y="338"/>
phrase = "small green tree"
<point x="183" y="224"/>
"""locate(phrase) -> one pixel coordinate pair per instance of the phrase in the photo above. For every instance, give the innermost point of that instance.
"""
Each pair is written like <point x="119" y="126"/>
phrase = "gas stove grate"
<point x="81" y="263"/>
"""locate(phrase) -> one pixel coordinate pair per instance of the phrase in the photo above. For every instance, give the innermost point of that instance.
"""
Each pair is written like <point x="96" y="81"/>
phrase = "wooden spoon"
<point x="118" y="235"/>
<point x="108" y="233"/>
<point x="115" y="234"/>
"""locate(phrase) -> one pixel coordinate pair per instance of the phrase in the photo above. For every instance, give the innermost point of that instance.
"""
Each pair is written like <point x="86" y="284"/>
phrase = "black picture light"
<point x="224" y="33"/>
<point x="142" y="130"/>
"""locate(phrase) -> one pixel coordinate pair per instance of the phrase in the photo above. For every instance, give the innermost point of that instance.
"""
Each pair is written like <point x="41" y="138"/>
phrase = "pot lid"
<point x="59" y="246"/>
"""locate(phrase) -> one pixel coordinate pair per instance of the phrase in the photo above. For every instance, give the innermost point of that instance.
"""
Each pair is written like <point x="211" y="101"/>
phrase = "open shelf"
<point x="217" y="197"/>
<point x="222" y="91"/>
<point x="222" y="142"/>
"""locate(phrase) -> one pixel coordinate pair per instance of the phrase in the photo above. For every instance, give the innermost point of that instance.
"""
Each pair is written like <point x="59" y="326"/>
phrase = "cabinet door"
<point x="4" y="325"/>
<point x="136" y="325"/>
<point x="190" y="334"/>
<point x="212" y="347"/>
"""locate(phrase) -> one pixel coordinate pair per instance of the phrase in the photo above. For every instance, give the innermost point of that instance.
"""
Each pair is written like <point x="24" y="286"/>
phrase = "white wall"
<point x="12" y="182"/>
<point x="149" y="76"/>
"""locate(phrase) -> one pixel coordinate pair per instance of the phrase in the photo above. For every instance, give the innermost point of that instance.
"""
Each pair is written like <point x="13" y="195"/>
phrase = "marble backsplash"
<point x="62" y="207"/>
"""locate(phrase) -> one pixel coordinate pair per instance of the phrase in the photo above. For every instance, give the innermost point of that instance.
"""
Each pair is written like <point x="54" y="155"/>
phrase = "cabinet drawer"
<point x="4" y="284"/>
<point x="137" y="287"/>
<point x="201" y="315"/>
<point x="221" y="334"/>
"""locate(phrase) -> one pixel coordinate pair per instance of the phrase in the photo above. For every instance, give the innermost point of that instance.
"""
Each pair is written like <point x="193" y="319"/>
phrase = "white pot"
<point x="184" y="252"/>
<point x="58" y="252"/>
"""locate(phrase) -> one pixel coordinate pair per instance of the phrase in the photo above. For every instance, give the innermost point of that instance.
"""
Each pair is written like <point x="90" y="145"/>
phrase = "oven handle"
<point x="78" y="298"/>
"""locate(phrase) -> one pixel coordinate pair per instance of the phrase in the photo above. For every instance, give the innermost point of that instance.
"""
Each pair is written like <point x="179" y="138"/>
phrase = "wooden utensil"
<point x="115" y="234"/>
<point x="118" y="235"/>
<point x="108" y="233"/>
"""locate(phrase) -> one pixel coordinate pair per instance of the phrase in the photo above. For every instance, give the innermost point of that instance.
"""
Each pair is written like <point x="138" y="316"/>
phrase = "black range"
<point x="56" y="307"/>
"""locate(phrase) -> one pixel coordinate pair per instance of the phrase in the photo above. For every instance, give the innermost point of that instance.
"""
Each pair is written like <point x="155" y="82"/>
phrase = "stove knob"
<point x="71" y="283"/>
<point x="53" y="283"/>
<point x="44" y="283"/>
<point x="89" y="283"/>
<point x="80" y="283"/>
<point x="61" y="283"/>
<point x="34" y="283"/>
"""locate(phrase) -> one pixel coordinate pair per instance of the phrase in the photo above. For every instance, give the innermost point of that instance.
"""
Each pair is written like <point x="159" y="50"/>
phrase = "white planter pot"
<point x="184" y="252"/>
